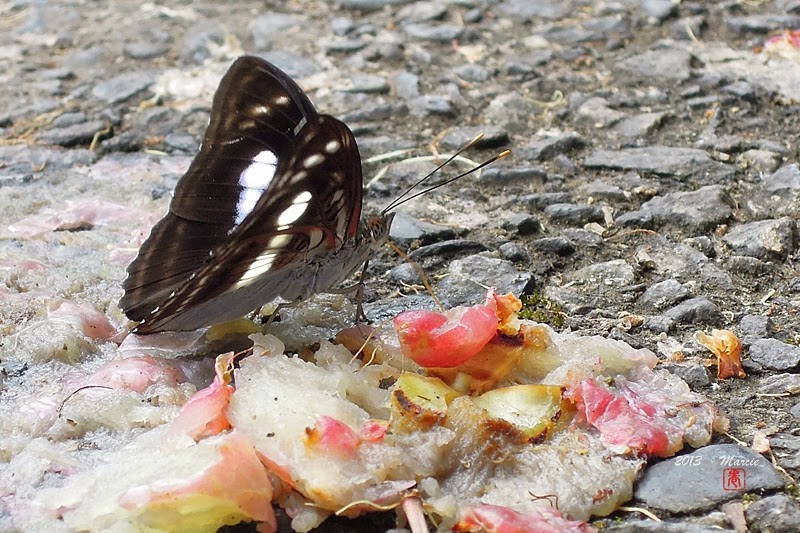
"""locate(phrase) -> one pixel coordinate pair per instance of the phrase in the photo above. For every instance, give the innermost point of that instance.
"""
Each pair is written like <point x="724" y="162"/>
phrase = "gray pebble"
<point x="269" y="27"/>
<point x="609" y="275"/>
<point x="467" y="279"/>
<point x="404" y="84"/>
<point x="73" y="135"/>
<point x="693" y="374"/>
<point x="522" y="223"/>
<point x="440" y="33"/>
<point x="513" y="251"/>
<point x="593" y="29"/>
<point x="69" y="119"/>
<point x="702" y="244"/>
<point x="600" y="190"/>
<point x="549" y="147"/>
<point x="405" y="273"/>
<point x="540" y="200"/>
<point x="765" y="239"/>
<point x="701" y="210"/>
<point x="596" y="111"/>
<point x="774" y="354"/>
<point x="661" y="160"/>
<point x="574" y="214"/>
<point x="780" y="384"/>
<point x="370" y="5"/>
<point x="123" y="86"/>
<point x="795" y="411"/>
<point x="755" y="325"/>
<point x="366" y="83"/>
<point x="447" y="249"/>
<point x="759" y="161"/>
<point x="694" y="482"/>
<point x="651" y="526"/>
<point x="640" y="125"/>
<point x="523" y="176"/>
<point x="145" y="49"/>
<point x="762" y="23"/>
<point x="663" y="294"/>
<point x="560" y="246"/>
<point x="406" y="229"/>
<point x="777" y="514"/>
<point x="745" y="265"/>
<point x="295" y="65"/>
<point x="659" y="324"/>
<point x="659" y="10"/>
<point x="433" y="104"/>
<point x="473" y="73"/>
<point x="527" y="10"/>
<point x="493" y="137"/>
<point x="665" y="63"/>
<point x="694" y="311"/>
<point x="422" y="11"/>
<point x="197" y="41"/>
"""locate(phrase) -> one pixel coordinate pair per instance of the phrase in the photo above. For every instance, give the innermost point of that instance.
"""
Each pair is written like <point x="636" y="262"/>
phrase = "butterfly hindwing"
<point x="256" y="114"/>
<point x="312" y="206"/>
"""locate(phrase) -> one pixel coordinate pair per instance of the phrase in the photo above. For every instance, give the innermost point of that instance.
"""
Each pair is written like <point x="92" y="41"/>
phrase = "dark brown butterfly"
<point x="270" y="207"/>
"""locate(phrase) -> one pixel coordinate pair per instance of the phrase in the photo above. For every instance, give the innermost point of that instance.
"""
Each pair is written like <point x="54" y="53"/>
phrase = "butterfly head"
<point x="377" y="227"/>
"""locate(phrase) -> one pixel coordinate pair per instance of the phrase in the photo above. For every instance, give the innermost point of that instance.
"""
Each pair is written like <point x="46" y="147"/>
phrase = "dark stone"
<point x="513" y="251"/>
<point x="777" y="514"/>
<point x="447" y="249"/>
<point x="433" y="104"/>
<point x="473" y="73"/>
<point x="659" y="324"/>
<point x="651" y="526"/>
<point x="560" y="246"/>
<point x="574" y="214"/>
<point x="405" y="273"/>
<point x="641" y="125"/>
<point x="747" y="266"/>
<point x="539" y="201"/>
<point x="493" y="137"/>
<point x="758" y="326"/>
<point x="593" y="29"/>
<point x="693" y="374"/>
<point x="549" y="147"/>
<point x="661" y="160"/>
<point x="694" y="311"/>
<point x="522" y="176"/>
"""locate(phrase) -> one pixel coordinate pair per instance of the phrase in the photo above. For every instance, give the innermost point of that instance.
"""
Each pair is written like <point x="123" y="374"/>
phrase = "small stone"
<point x="405" y="273"/>
<point x="198" y="40"/>
<point x="513" y="251"/>
<point x="694" y="311"/>
<point x="522" y="223"/>
<point x="525" y="10"/>
<point x="762" y="23"/>
<point x="122" y="87"/>
<point x="447" y="249"/>
<point x="780" y="384"/>
<point x="759" y="161"/>
<point x="549" y="147"/>
<point x="600" y="190"/>
<point x="665" y="63"/>
<point x="493" y="137"/>
<point x="700" y="210"/>
<point x="755" y="325"/>
<point x="640" y="125"/>
<point x="766" y="239"/>
<point x="407" y="229"/>
<point x="269" y="27"/>
<point x="747" y="266"/>
<point x="294" y="65"/>
<point x="596" y="112"/>
<point x="703" y="244"/>
<point x="651" y="526"/>
<point x="593" y="29"/>
<point x="693" y="374"/>
<point x="503" y="176"/>
<point x="574" y="214"/>
<point x="659" y="10"/>
<point x="145" y="49"/>
<point x="433" y="104"/>
<point x="659" y="324"/>
<point x="182" y="141"/>
<point x="468" y="278"/>
<point x="774" y="354"/>
<point x="404" y="84"/>
<point x="422" y="11"/>
<point x="370" y="5"/>
<point x="699" y="475"/>
<point x="440" y="33"/>
<point x="610" y="274"/>
<point x="539" y="201"/>
<point x="660" y="160"/>
<point x="781" y="190"/>
<point x="73" y="135"/>
<point x="366" y="83"/>
<point x="473" y="73"/>
<point x="560" y="246"/>
<point x="68" y="119"/>
<point x="777" y="514"/>
<point x="663" y="294"/>
<point x="795" y="411"/>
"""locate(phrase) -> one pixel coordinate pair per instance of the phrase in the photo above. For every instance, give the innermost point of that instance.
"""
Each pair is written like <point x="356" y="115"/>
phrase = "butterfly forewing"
<point x="309" y="211"/>
<point x="255" y="117"/>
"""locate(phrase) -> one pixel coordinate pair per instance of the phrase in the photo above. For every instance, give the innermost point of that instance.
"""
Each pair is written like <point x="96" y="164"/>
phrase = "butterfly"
<point x="270" y="207"/>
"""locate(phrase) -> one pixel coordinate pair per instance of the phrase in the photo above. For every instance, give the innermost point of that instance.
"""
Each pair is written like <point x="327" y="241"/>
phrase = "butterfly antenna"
<point x="402" y="198"/>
